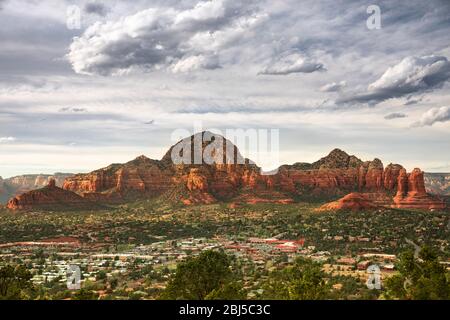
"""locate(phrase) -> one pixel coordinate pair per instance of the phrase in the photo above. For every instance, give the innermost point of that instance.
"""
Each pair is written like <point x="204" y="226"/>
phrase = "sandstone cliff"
<point x="438" y="183"/>
<point x="337" y="174"/>
<point x="50" y="197"/>
<point x="185" y="175"/>
<point x="188" y="182"/>
<point x="411" y="192"/>
<point x="21" y="184"/>
<point x="353" y="201"/>
<point x="141" y="176"/>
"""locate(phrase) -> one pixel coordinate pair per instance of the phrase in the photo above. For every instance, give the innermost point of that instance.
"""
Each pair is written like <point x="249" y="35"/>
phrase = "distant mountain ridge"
<point x="438" y="183"/>
<point x="50" y="198"/>
<point x="19" y="184"/>
<point x="333" y="176"/>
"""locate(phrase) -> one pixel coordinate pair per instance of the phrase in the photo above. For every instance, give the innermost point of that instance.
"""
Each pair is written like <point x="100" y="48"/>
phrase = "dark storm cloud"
<point x="32" y="46"/>
<point x="238" y="40"/>
<point x="96" y="8"/>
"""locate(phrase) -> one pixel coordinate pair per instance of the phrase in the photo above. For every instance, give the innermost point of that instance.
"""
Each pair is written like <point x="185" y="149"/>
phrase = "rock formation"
<point x="338" y="174"/>
<point x="206" y="168"/>
<point x="353" y="201"/>
<point x="20" y="184"/>
<point x="141" y="176"/>
<point x="50" y="197"/>
<point x="187" y="181"/>
<point x="411" y="192"/>
<point x="438" y="183"/>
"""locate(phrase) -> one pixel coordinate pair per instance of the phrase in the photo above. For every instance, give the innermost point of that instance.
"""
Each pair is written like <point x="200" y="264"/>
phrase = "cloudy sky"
<point x="76" y="97"/>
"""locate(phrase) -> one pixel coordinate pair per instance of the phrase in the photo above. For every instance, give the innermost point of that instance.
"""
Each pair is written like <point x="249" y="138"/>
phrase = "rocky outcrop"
<point x="336" y="175"/>
<point x="352" y="202"/>
<point x="192" y="179"/>
<point x="187" y="181"/>
<point x="141" y="176"/>
<point x="21" y="184"/>
<point x="411" y="192"/>
<point x="205" y="168"/>
<point x="390" y="177"/>
<point x="438" y="183"/>
<point x="196" y="180"/>
<point x="50" y="197"/>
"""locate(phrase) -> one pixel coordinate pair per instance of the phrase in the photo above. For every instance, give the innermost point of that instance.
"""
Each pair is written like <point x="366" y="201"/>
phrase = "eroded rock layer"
<point x="20" y="184"/>
<point x="353" y="201"/>
<point x="50" y="197"/>
<point x="206" y="168"/>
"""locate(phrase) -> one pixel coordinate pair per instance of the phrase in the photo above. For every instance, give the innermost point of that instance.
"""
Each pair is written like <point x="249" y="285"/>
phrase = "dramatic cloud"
<point x="96" y="8"/>
<point x="291" y="62"/>
<point x="180" y="42"/>
<point x="395" y="115"/>
<point x="7" y="139"/>
<point x="432" y="116"/>
<point x="333" y="87"/>
<point x="156" y="38"/>
<point x="196" y="62"/>
<point x="411" y="76"/>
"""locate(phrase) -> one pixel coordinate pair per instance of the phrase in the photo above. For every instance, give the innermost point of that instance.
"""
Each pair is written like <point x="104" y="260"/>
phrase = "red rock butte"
<point x="50" y="197"/>
<point x="353" y="201"/>
<point x="241" y="181"/>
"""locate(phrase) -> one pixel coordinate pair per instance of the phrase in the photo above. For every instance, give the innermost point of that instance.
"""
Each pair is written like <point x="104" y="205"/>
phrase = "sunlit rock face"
<point x="411" y="192"/>
<point x="353" y="202"/>
<point x="207" y="168"/>
<point x="49" y="198"/>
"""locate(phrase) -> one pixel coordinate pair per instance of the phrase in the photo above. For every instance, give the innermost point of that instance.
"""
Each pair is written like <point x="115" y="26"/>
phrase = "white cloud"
<point x="291" y="62"/>
<point x="413" y="74"/>
<point x="207" y="10"/>
<point x="432" y="116"/>
<point x="333" y="86"/>
<point x="196" y="62"/>
<point x="160" y="38"/>
<point x="410" y="76"/>
<point x="7" y="139"/>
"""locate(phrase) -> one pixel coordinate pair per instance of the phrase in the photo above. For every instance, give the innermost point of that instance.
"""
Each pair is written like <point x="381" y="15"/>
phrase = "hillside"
<point x="20" y="184"/>
<point x="438" y="183"/>
<point x="231" y="178"/>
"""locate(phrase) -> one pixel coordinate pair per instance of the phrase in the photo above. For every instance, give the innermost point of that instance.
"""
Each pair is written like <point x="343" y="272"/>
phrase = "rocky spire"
<point x="51" y="183"/>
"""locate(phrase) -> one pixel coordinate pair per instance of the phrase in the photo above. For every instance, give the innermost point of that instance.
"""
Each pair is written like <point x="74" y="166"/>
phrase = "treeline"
<point x="216" y="275"/>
